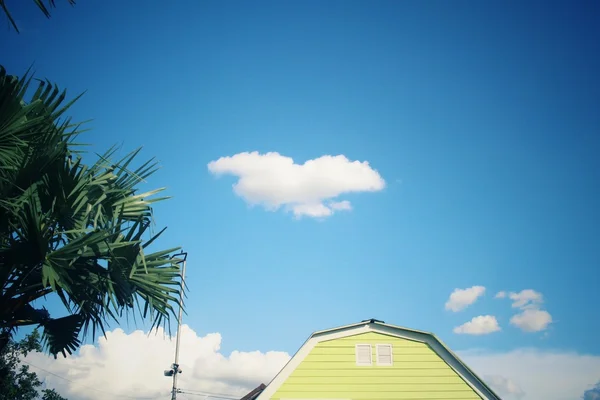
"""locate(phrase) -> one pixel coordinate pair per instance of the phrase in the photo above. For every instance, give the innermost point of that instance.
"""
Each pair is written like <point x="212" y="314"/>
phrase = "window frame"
<point x="391" y="347"/>
<point x="361" y="364"/>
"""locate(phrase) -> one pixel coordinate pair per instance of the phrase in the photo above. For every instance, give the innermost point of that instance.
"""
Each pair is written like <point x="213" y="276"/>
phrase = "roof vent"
<point x="373" y="320"/>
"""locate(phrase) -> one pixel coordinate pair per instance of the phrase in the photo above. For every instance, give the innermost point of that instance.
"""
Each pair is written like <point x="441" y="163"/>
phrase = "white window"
<point x="363" y="354"/>
<point x="384" y="354"/>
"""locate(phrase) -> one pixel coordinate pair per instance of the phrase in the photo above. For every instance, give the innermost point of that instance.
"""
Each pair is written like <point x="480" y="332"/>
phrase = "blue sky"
<point x="481" y="117"/>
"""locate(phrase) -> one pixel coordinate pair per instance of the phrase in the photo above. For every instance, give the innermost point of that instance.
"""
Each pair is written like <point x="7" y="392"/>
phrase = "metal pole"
<point x="176" y="364"/>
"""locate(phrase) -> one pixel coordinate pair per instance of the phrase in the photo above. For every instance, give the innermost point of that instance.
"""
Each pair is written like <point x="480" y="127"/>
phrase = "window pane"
<point x="384" y="354"/>
<point x="363" y="354"/>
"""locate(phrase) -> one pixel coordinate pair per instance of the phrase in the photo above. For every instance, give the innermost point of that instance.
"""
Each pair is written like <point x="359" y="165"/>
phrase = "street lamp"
<point x="171" y="371"/>
<point x="175" y="370"/>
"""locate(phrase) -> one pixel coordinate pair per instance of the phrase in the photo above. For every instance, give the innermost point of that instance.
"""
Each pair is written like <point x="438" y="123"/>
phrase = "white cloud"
<point x="532" y="320"/>
<point x="504" y="387"/>
<point x="529" y="374"/>
<point x="500" y="295"/>
<point x="527" y="298"/>
<point x="310" y="189"/>
<point x="341" y="205"/>
<point x="133" y="365"/>
<point x="481" y="325"/>
<point x="320" y="210"/>
<point x="462" y="298"/>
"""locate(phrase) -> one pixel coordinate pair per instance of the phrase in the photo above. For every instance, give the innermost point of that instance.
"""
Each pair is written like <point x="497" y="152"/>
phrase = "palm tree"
<point x="77" y="231"/>
<point x="44" y="8"/>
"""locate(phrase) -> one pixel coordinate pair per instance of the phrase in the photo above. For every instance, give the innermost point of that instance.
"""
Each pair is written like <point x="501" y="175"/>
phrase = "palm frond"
<point x="78" y="230"/>
<point x="39" y="3"/>
<point x="61" y="335"/>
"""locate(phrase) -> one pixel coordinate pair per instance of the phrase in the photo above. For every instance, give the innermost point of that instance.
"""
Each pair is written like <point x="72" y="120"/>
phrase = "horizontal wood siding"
<point x="330" y="372"/>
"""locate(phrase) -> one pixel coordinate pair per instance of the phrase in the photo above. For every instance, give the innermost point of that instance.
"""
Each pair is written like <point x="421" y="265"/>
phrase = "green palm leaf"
<point x="77" y="230"/>
<point x="61" y="335"/>
<point x="44" y="8"/>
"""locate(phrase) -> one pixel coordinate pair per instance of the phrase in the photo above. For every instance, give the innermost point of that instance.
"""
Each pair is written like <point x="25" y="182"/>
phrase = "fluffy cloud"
<point x="527" y="298"/>
<point x="531" y="318"/>
<point x="462" y="298"/>
<point x="310" y="189"/>
<point x="133" y="365"/>
<point x="529" y="374"/>
<point x="500" y="295"/>
<point x="481" y="325"/>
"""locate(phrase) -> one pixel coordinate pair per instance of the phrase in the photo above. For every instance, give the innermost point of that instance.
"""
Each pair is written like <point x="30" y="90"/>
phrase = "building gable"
<point x="333" y="365"/>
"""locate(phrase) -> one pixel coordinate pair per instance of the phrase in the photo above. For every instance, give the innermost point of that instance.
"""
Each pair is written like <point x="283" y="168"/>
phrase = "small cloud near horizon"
<point x="481" y="325"/>
<point x="462" y="298"/>
<point x="531" y="318"/>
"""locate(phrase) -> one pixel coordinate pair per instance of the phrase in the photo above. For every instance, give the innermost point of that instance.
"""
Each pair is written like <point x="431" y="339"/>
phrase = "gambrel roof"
<point x="376" y="326"/>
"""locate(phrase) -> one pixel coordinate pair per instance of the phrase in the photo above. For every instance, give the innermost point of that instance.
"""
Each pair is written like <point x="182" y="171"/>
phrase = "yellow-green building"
<point x="373" y="360"/>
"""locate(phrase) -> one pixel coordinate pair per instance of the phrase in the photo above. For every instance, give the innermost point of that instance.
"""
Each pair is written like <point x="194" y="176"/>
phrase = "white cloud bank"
<point x="529" y="374"/>
<point x="132" y="365"/>
<point x="310" y="189"/>
<point x="531" y="317"/>
<point x="481" y="325"/>
<point x="462" y="298"/>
